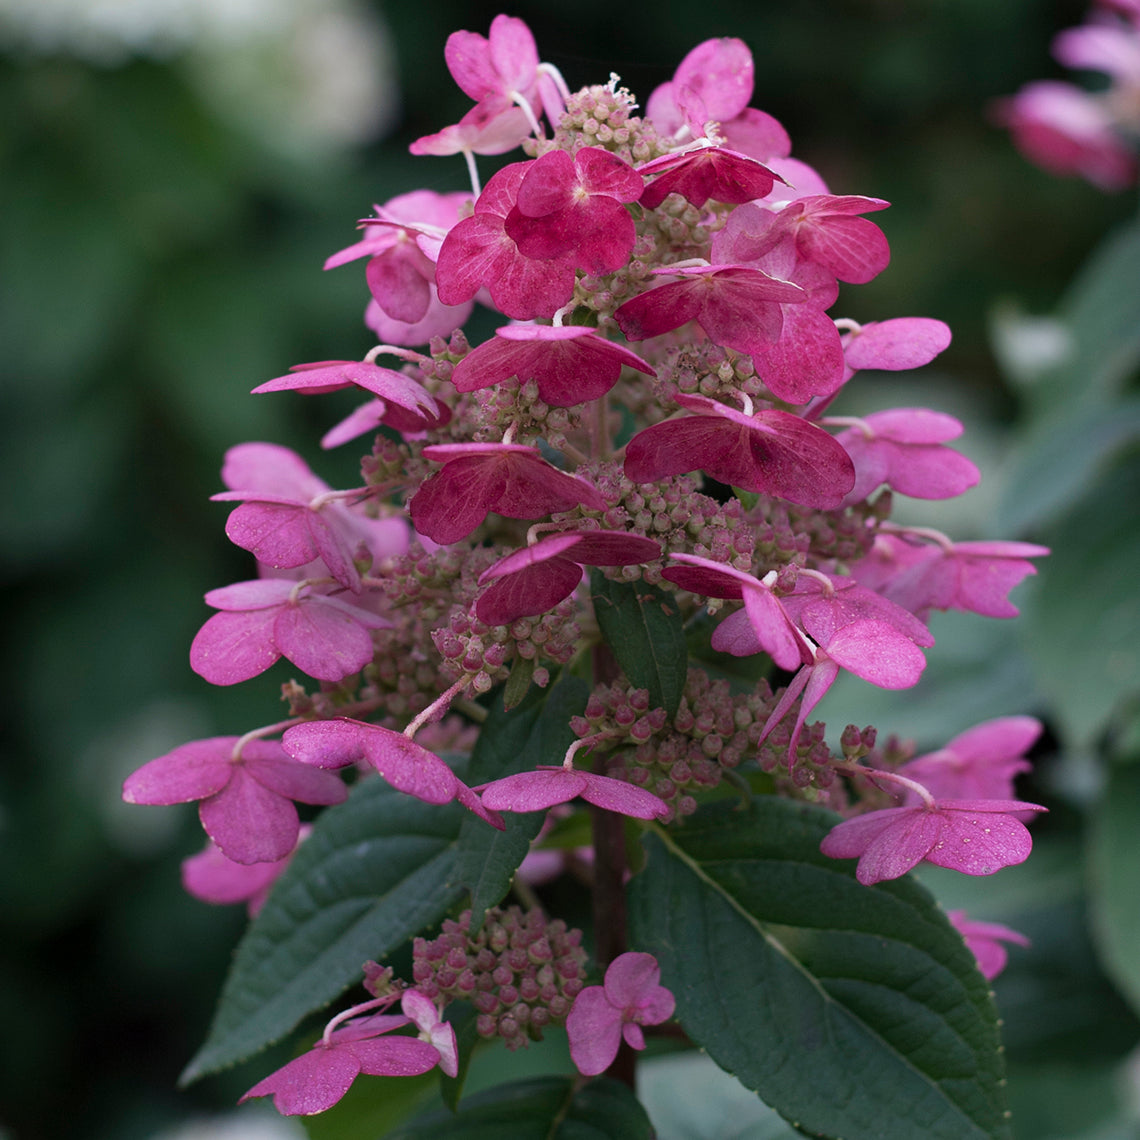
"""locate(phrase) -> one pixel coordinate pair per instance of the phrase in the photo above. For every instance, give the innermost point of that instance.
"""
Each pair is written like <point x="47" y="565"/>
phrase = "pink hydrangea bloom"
<point x="631" y="996"/>
<point x="895" y="345"/>
<point x="406" y="765"/>
<point x="975" y="577"/>
<point x="402" y="243"/>
<point x="572" y="207"/>
<point x="508" y="478"/>
<point x="984" y="940"/>
<point x="979" y="764"/>
<point x="772" y="452"/>
<point x="1067" y="131"/>
<point x="904" y="448"/>
<point x="478" y="253"/>
<point x="246" y="801"/>
<point x="316" y="1080"/>
<point x="570" y="364"/>
<point x="269" y="618"/>
<point x="545" y="787"/>
<point x="976" y="837"/>
<point x="536" y="578"/>
<point x="706" y="172"/>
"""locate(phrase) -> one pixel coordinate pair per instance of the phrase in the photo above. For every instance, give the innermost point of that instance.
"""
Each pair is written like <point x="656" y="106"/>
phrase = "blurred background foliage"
<point x="174" y="175"/>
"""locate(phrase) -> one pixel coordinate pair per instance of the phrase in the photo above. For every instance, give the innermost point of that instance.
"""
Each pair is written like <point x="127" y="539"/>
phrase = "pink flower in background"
<point x="246" y="806"/>
<point x="975" y="577"/>
<point x="1067" y="131"/>
<point x="979" y="764"/>
<point x="976" y="837"/>
<point x="212" y="878"/>
<point x="984" y="940"/>
<point x="630" y="997"/>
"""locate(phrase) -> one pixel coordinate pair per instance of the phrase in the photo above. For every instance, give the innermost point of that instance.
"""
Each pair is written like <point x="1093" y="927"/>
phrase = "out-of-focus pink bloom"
<point x="545" y="787"/>
<point x="246" y="806"/>
<point x="984" y="940"/>
<point x="1068" y="131"/>
<point x="570" y="364"/>
<point x="770" y="452"/>
<point x="979" y="764"/>
<point x="975" y="577"/>
<point x="630" y="997"/>
<point x="508" y="478"/>
<point x="406" y="765"/>
<point x="976" y="837"/>
<point x="904" y="448"/>
<point x="212" y="878"/>
<point x="536" y="578"/>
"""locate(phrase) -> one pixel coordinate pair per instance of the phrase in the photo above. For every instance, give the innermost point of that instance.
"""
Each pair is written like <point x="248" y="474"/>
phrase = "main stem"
<point x="610" y="916"/>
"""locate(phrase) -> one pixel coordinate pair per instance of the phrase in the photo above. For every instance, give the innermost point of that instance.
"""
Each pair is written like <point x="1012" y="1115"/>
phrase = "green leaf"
<point x="1084" y="633"/>
<point x="1102" y="307"/>
<point x="1115" y="873"/>
<point x="534" y="732"/>
<point x="546" y="1108"/>
<point x="855" y="1012"/>
<point x="644" y="628"/>
<point x="518" y="683"/>
<point x="375" y="871"/>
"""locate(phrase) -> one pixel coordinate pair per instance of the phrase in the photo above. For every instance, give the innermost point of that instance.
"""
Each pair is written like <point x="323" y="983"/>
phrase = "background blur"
<point x="172" y="175"/>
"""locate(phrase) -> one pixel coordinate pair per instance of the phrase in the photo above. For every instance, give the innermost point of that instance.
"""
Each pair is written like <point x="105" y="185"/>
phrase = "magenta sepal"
<point x="572" y="208"/>
<point x="570" y="364"/>
<point x="537" y="577"/>
<point x="407" y="766"/>
<point x="770" y="452"/>
<point x="332" y="375"/>
<point x="478" y="252"/>
<point x="545" y="787"/>
<point x="976" y="837"/>
<point x="510" y="479"/>
<point x="984" y="940"/>
<point x="903" y="448"/>
<point x="707" y="172"/>
<point x="318" y="1079"/>
<point x="896" y="345"/>
<point x="630" y="997"/>
<point x="769" y="624"/>
<point x="262" y="621"/>
<point x="246" y="805"/>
